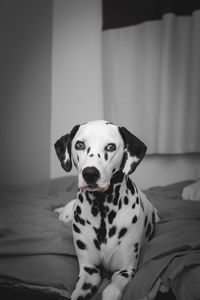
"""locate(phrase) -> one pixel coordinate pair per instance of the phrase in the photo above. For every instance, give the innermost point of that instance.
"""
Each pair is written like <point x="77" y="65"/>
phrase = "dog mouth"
<point x="94" y="188"/>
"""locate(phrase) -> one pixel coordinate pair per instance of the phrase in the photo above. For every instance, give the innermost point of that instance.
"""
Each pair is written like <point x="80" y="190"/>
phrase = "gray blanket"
<point x="172" y="258"/>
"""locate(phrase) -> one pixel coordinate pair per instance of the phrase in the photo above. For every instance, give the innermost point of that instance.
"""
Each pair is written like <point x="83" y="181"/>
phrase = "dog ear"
<point x="63" y="149"/>
<point x="134" y="151"/>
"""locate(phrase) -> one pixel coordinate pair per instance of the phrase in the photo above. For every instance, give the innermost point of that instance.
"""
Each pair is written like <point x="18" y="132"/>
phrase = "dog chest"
<point x="102" y="221"/>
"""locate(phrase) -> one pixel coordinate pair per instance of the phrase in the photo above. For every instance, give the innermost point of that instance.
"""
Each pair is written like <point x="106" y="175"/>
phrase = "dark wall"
<point x="25" y="90"/>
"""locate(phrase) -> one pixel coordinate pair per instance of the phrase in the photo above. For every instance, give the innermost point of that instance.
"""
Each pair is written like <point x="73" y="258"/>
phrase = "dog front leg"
<point x="124" y="264"/>
<point x="66" y="212"/>
<point x="89" y="261"/>
<point x="119" y="281"/>
<point x="88" y="282"/>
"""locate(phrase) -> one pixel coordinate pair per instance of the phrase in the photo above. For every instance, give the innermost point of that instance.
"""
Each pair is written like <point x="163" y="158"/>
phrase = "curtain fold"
<point x="151" y="72"/>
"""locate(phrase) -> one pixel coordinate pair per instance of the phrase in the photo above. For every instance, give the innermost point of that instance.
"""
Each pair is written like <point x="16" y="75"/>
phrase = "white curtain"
<point x="151" y="81"/>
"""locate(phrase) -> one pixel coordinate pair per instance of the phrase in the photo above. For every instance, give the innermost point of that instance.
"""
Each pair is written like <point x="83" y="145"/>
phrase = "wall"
<point x="36" y="108"/>
<point x="76" y="68"/>
<point x="165" y="169"/>
<point x="77" y="89"/>
<point x="25" y="66"/>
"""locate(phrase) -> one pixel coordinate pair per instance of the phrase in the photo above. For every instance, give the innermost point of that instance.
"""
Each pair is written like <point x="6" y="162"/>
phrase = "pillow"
<point x="192" y="192"/>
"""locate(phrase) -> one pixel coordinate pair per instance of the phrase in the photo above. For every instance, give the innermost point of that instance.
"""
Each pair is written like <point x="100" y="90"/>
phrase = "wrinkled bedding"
<point x="37" y="252"/>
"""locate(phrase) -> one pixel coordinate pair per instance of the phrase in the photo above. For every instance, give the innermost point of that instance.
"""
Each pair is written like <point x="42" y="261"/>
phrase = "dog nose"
<point x="91" y="175"/>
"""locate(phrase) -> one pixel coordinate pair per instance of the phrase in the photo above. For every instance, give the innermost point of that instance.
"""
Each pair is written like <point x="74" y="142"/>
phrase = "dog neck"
<point x="111" y="195"/>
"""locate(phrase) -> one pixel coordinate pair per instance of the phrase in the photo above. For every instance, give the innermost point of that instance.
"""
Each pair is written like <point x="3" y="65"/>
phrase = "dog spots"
<point x="94" y="210"/>
<point x="133" y="206"/>
<point x="124" y="159"/>
<point x="88" y="150"/>
<point x="78" y="210"/>
<point x="77" y="216"/>
<point x="76" y="228"/>
<point x="112" y="231"/>
<point x="134" y="219"/>
<point x="98" y="204"/>
<point x="126" y="200"/>
<point x="113" y="171"/>
<point x="109" y="198"/>
<point x="80" y="197"/>
<point x="91" y="271"/>
<point x="136" y="247"/>
<point x="106" y="209"/>
<point x="91" y="155"/>
<point x="137" y="200"/>
<point x="106" y="156"/>
<point x="122" y="232"/>
<point x="102" y="231"/>
<point x="111" y="216"/>
<point x="124" y="273"/>
<point x="116" y="198"/>
<point x="80" y="245"/>
<point x="86" y="297"/>
<point x="94" y="289"/>
<point x="117" y="178"/>
<point x="95" y="229"/>
<point x="86" y="286"/>
<point x="120" y="203"/>
<point x="130" y="186"/>
<point x="78" y="219"/>
<point x="99" y="155"/>
<point x="88" y="198"/>
<point x="110" y="189"/>
<point x="96" y="243"/>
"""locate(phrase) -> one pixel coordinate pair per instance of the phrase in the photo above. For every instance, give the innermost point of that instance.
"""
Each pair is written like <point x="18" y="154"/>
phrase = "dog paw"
<point x="80" y="295"/>
<point x="111" y="292"/>
<point x="63" y="214"/>
<point x="64" y="217"/>
<point x="66" y="212"/>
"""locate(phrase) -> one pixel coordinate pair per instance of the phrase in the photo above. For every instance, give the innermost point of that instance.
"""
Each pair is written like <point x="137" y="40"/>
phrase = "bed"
<point x="37" y="257"/>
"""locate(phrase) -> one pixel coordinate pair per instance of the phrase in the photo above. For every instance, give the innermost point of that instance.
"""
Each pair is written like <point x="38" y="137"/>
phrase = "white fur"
<point x="97" y="135"/>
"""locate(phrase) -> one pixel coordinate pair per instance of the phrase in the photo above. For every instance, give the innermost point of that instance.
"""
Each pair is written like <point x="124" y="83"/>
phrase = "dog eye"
<point x="79" y="145"/>
<point x="110" y="147"/>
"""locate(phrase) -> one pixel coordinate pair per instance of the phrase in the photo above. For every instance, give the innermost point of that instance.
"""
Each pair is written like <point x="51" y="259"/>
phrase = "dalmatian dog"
<point x="111" y="218"/>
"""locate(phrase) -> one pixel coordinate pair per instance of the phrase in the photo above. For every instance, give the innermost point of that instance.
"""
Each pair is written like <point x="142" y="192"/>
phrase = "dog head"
<point x="99" y="149"/>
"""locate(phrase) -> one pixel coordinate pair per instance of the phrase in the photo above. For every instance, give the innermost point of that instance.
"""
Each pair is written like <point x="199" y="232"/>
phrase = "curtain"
<point x="151" y="71"/>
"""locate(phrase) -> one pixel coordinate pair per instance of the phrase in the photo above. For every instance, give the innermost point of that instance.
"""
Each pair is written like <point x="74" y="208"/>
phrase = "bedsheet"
<point x="172" y="258"/>
<point x="37" y="252"/>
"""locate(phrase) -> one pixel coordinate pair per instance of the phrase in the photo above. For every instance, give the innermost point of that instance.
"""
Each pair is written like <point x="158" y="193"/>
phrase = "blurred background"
<point x="58" y="69"/>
